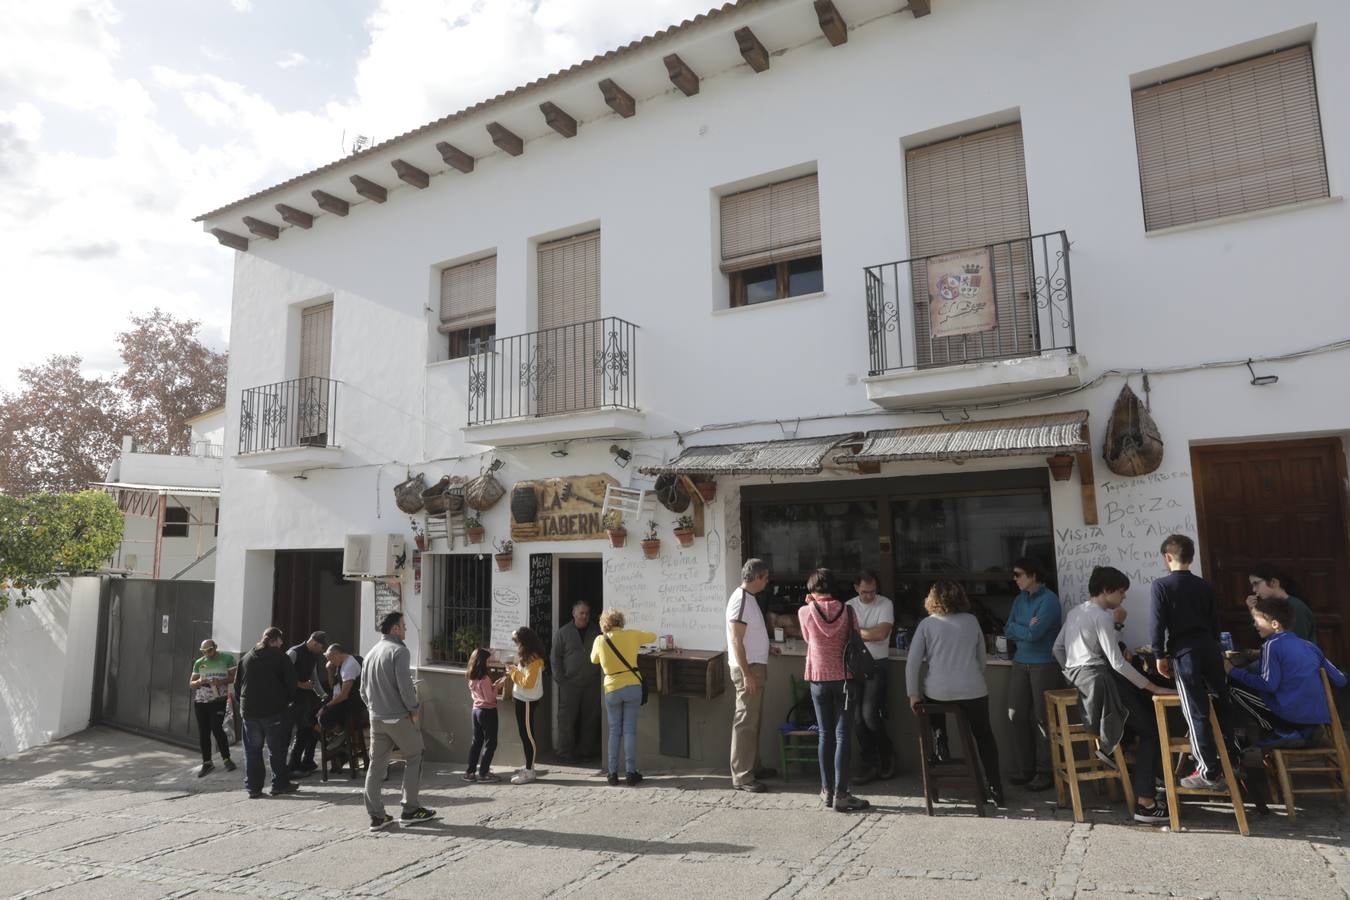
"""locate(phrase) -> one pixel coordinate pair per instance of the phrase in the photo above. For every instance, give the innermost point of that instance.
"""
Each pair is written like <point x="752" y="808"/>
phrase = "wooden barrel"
<point x="524" y="503"/>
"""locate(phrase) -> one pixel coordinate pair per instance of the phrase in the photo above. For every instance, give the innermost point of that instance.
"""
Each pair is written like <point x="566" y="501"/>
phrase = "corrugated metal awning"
<point x="158" y="489"/>
<point x="796" y="456"/>
<point x="1022" y="436"/>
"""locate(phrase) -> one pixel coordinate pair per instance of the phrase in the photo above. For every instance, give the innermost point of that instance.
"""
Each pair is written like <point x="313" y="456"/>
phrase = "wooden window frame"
<point x="736" y="281"/>
<point x="176" y="522"/>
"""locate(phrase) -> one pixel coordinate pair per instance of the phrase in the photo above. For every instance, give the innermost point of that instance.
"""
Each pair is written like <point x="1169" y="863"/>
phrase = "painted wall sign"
<point x="559" y="509"/>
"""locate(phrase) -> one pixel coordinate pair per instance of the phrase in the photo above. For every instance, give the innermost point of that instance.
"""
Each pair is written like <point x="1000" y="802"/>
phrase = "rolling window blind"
<point x="316" y="341"/>
<point x="967" y="192"/>
<point x="774" y="223"/>
<point x="569" y="281"/>
<point x="469" y="294"/>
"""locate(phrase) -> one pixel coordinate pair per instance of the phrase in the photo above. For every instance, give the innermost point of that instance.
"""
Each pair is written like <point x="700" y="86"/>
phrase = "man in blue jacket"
<point x="1033" y="623"/>
<point x="1285" y="696"/>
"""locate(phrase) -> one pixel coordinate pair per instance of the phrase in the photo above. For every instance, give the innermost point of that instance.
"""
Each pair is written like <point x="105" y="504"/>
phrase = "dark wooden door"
<point x="309" y="594"/>
<point x="1281" y="502"/>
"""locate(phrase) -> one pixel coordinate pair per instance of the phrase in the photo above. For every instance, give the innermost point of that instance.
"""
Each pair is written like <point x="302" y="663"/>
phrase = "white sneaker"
<point x="524" y="776"/>
<point x="1196" y="781"/>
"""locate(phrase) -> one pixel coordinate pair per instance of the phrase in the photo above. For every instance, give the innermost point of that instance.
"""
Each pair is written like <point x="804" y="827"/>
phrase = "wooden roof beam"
<point x="455" y="157"/>
<point x="920" y="8"/>
<point x="230" y="239"/>
<point x="292" y="216"/>
<point x="328" y="203"/>
<point x="752" y="49"/>
<point x="259" y="228"/>
<point x="558" y="120"/>
<point x="369" y="189"/>
<point x="683" y="77"/>
<point x="410" y="174"/>
<point x="618" y="99"/>
<point x="506" y="139"/>
<point x="832" y="25"/>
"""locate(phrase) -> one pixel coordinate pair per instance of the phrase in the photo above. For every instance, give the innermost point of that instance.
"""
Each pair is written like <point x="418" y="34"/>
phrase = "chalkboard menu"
<point x="388" y="598"/>
<point x="541" y="597"/>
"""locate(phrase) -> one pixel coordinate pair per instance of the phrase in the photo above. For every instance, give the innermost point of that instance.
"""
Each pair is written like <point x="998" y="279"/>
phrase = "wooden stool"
<point x="355" y="743"/>
<point x="1171" y="745"/>
<point x="962" y="772"/>
<point x="1331" y="763"/>
<point x="1068" y="769"/>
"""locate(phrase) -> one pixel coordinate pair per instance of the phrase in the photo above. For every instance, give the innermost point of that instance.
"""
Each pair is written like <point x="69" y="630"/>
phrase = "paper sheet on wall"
<point x="509" y="612"/>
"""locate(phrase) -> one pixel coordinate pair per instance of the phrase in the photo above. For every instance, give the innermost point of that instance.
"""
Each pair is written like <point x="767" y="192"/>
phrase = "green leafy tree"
<point x="45" y="536"/>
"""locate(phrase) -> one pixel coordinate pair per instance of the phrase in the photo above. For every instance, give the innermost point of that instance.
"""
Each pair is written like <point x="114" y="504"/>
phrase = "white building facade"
<point x="689" y="246"/>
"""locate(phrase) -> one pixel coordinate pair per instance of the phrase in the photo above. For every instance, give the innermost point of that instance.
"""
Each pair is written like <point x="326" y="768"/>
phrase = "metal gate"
<point x="150" y="633"/>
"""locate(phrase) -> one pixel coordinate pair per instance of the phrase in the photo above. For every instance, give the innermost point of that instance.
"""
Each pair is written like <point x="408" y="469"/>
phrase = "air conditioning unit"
<point x="371" y="555"/>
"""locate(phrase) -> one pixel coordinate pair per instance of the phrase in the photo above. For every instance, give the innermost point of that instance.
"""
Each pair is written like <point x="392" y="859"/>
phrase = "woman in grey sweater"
<point x="946" y="665"/>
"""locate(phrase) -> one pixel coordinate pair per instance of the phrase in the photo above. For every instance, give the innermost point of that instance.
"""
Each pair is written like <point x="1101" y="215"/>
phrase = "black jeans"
<point x="306" y="738"/>
<point x="211" y="721"/>
<point x="1143" y="723"/>
<point x="977" y="717"/>
<point x="1199" y="673"/>
<point x="873" y="740"/>
<point x="527" y="721"/>
<point x="273" y="732"/>
<point x="836" y="731"/>
<point x="484" y="740"/>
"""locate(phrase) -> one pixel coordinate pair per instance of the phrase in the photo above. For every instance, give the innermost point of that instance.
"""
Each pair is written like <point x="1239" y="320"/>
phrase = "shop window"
<point x="175" y="522"/>
<point x="795" y="538"/>
<point x="461" y="605"/>
<point x="771" y="241"/>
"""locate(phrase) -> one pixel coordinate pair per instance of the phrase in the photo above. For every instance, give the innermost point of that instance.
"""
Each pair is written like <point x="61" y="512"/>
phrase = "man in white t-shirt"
<point x="346" y="701"/>
<point x="876" y="619"/>
<point x="748" y="656"/>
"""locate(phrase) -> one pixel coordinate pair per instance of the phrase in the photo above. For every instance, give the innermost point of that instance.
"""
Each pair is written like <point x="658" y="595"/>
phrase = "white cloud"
<point x="242" y="6"/>
<point x="291" y="60"/>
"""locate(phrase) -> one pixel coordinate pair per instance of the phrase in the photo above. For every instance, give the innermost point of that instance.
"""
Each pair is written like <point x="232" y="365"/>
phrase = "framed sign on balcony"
<point x="961" y="294"/>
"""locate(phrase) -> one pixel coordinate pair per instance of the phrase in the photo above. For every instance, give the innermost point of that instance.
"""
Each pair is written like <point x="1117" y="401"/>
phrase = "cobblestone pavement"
<point x="107" y="814"/>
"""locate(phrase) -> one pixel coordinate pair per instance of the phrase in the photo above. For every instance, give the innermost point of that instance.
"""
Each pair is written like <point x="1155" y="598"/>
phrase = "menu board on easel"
<point x="541" y="596"/>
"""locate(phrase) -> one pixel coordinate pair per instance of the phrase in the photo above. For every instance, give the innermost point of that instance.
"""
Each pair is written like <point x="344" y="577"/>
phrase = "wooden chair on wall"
<point x="798" y="745"/>
<point x="960" y="772"/>
<point x="1070" y="771"/>
<point x="1331" y="763"/>
<point x="1172" y="747"/>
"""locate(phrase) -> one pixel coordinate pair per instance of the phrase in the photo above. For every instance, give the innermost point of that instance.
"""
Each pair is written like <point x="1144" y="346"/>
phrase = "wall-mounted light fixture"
<point x="1261" y="380"/>
<point x="560" y="451"/>
<point x="622" y="457"/>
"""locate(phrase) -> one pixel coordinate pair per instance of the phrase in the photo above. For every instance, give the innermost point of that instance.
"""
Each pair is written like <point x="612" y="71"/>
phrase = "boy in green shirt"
<point x="210" y="683"/>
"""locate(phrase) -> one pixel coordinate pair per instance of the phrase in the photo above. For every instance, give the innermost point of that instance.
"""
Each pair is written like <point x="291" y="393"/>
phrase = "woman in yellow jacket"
<point x="527" y="678"/>
<point x="616" y="651"/>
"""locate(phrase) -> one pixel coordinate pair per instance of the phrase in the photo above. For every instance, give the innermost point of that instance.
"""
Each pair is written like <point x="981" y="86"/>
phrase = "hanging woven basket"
<point x="408" y="493"/>
<point x="445" y="496"/>
<point x="671" y="494"/>
<point x="1132" y="445"/>
<point x="483" y="492"/>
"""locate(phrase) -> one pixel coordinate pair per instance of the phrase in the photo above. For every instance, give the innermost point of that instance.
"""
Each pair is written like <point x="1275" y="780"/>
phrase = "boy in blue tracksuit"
<point x="1285" y="696"/>
<point x="1034" y="624"/>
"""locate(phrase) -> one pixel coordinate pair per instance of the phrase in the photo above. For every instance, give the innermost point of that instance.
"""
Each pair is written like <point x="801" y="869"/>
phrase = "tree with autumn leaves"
<point x="62" y="429"/>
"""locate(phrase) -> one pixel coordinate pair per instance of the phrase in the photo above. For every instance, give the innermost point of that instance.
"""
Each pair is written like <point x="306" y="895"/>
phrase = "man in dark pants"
<point x="265" y="685"/>
<point x="578" y="681"/>
<point x="876" y="618"/>
<point x="1186" y="639"/>
<point x="306" y="658"/>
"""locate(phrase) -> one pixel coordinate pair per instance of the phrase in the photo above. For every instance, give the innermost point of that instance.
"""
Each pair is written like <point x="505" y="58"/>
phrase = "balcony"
<point x="1000" y="323"/>
<point x="574" y="381"/>
<point x="289" y="426"/>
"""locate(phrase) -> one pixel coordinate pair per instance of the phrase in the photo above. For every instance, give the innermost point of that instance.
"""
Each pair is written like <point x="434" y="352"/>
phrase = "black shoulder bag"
<point x="858" y="660"/>
<point x="642" y="681"/>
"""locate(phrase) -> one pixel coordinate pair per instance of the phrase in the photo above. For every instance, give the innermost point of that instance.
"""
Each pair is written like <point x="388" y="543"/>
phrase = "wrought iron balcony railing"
<point x="288" y="414"/>
<point x="999" y="301"/>
<point x="572" y="368"/>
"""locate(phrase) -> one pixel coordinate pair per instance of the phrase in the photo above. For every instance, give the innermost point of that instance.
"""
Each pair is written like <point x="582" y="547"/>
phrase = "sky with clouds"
<point x="120" y="120"/>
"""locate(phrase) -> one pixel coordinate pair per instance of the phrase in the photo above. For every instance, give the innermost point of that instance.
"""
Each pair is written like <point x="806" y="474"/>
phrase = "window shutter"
<point x="773" y="223"/>
<point x="316" y="341"/>
<point x="1239" y="138"/>
<point x="469" y="294"/>
<point x="569" y="281"/>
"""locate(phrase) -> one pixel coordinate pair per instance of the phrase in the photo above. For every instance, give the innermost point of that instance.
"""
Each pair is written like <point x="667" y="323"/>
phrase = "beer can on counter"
<point x="902" y="638"/>
<point x="1226" y="640"/>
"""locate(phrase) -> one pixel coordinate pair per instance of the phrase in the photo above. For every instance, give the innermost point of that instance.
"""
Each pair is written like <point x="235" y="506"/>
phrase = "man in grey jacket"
<point x="578" y="681"/>
<point x="395" y="721"/>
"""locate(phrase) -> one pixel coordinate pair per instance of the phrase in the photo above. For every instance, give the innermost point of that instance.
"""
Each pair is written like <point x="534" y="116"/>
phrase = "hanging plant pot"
<point x="685" y="536"/>
<point x="504" y="561"/>
<point x="420" y="540"/>
<point x="475" y="535"/>
<point x="651" y="549"/>
<point x="1061" y="466"/>
<point x="617" y="537"/>
<point x="707" y="490"/>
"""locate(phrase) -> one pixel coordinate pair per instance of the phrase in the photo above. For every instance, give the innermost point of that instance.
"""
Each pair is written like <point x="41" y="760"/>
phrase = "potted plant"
<point x="419" y="535"/>
<point x="465" y="641"/>
<point x="684" y="530"/>
<point x="651" y="544"/>
<point x="474" y="529"/>
<point x="504" y="555"/>
<point x="613" y="522"/>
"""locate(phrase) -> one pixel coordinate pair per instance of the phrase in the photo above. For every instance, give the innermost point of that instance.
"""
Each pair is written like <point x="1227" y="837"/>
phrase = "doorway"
<point x="581" y="581"/>
<point x="309" y="594"/>
<point x="1281" y="502"/>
